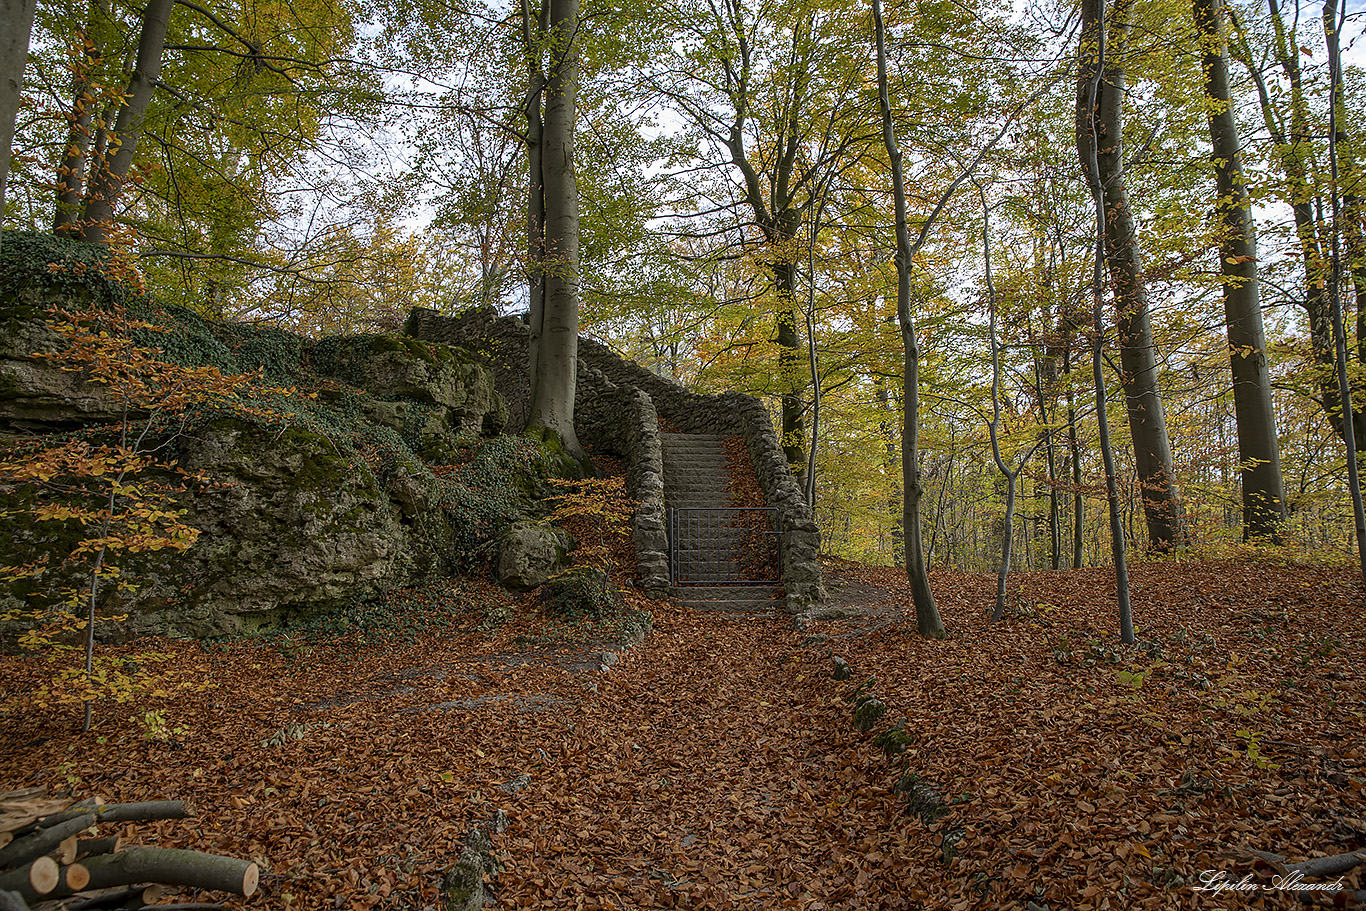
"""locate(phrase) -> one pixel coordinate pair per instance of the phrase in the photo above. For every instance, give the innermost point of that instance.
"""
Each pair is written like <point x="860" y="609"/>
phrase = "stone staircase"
<point x="696" y="476"/>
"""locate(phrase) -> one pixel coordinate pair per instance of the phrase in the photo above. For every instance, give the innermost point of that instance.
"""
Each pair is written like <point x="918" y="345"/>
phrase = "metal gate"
<point x="724" y="546"/>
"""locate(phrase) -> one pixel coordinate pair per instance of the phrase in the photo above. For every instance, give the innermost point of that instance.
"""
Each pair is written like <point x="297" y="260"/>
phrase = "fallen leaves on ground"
<point x="716" y="766"/>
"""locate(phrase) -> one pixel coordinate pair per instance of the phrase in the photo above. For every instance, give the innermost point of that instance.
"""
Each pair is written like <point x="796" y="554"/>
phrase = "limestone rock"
<point x="411" y="491"/>
<point x="401" y="368"/>
<point x="529" y="553"/>
<point x="498" y="823"/>
<point x="36" y="393"/>
<point x="303" y="504"/>
<point x="894" y="740"/>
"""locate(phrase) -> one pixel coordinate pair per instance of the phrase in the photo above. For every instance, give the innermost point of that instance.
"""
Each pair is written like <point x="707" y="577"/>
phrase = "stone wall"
<point x="610" y="387"/>
<point x="623" y="420"/>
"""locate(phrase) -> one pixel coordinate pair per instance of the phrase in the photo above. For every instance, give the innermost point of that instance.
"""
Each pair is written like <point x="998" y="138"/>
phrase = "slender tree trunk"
<point x="16" y="23"/>
<point x="557" y="343"/>
<point x="1351" y="205"/>
<point x="926" y="612"/>
<point x="110" y="171"/>
<point x="1343" y="211"/>
<point x="939" y="511"/>
<point x="1089" y="75"/>
<point x="1138" y="353"/>
<point x="1292" y="150"/>
<point x="1062" y="350"/>
<point x="813" y="355"/>
<point x="533" y="34"/>
<point x="71" y="171"/>
<point x="1258" y="453"/>
<point x="994" y="428"/>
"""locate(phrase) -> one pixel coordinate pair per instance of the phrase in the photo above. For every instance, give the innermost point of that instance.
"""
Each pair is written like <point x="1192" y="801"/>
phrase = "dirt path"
<point x="716" y="766"/>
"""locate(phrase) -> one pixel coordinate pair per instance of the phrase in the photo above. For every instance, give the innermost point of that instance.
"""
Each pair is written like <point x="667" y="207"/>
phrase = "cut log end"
<point x="44" y="875"/>
<point x="251" y="878"/>
<point x="66" y="850"/>
<point x="75" y="877"/>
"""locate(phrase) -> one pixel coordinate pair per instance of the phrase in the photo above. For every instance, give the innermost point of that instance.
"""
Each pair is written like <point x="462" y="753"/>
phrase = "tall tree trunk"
<point x="1045" y="390"/>
<point x="1138" y="354"/>
<point x="1344" y="209"/>
<point x="1258" y="454"/>
<point x="1061" y="350"/>
<point x="16" y="23"/>
<point x="1089" y="76"/>
<point x="926" y="612"/>
<point x="1348" y="180"/>
<point x="1292" y="149"/>
<point x="71" y="171"/>
<point x="556" y="339"/>
<point x="110" y="171"/>
<point x="1011" y="476"/>
<point x="780" y="220"/>
<point x="533" y="34"/>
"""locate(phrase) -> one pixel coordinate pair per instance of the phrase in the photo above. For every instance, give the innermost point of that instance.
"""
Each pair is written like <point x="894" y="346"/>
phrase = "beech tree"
<point x="1258" y="451"/>
<point x="552" y="46"/>
<point x="16" y="23"/>
<point x="1090" y="75"/>
<point x="770" y="94"/>
<point x="110" y="171"/>
<point x="926" y="612"/>
<point x="1138" y="353"/>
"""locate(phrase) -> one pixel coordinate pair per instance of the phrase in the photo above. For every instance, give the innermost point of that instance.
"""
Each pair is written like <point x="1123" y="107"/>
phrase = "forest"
<point x="1058" y="311"/>
<point x="735" y="218"/>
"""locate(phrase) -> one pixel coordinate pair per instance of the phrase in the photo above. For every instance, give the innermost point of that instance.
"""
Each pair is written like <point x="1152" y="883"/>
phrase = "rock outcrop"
<point x="374" y="470"/>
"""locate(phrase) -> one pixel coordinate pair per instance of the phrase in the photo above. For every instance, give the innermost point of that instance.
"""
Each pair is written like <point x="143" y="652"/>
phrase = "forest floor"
<point x="716" y="765"/>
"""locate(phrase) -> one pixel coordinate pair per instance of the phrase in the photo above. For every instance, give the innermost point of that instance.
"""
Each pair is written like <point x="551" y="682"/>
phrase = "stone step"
<point x="696" y="471"/>
<point x="701" y="495"/>
<point x="697" y="475"/>
<point x="761" y="600"/>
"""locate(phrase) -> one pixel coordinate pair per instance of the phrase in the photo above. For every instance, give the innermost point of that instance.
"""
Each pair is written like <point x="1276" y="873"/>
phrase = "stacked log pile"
<point x="52" y="856"/>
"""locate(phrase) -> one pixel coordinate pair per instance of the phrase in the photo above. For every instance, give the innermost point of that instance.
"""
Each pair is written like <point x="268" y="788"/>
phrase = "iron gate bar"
<point x="719" y="545"/>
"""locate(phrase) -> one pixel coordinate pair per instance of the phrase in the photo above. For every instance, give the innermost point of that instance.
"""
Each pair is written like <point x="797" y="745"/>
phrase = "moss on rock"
<point x="368" y="476"/>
